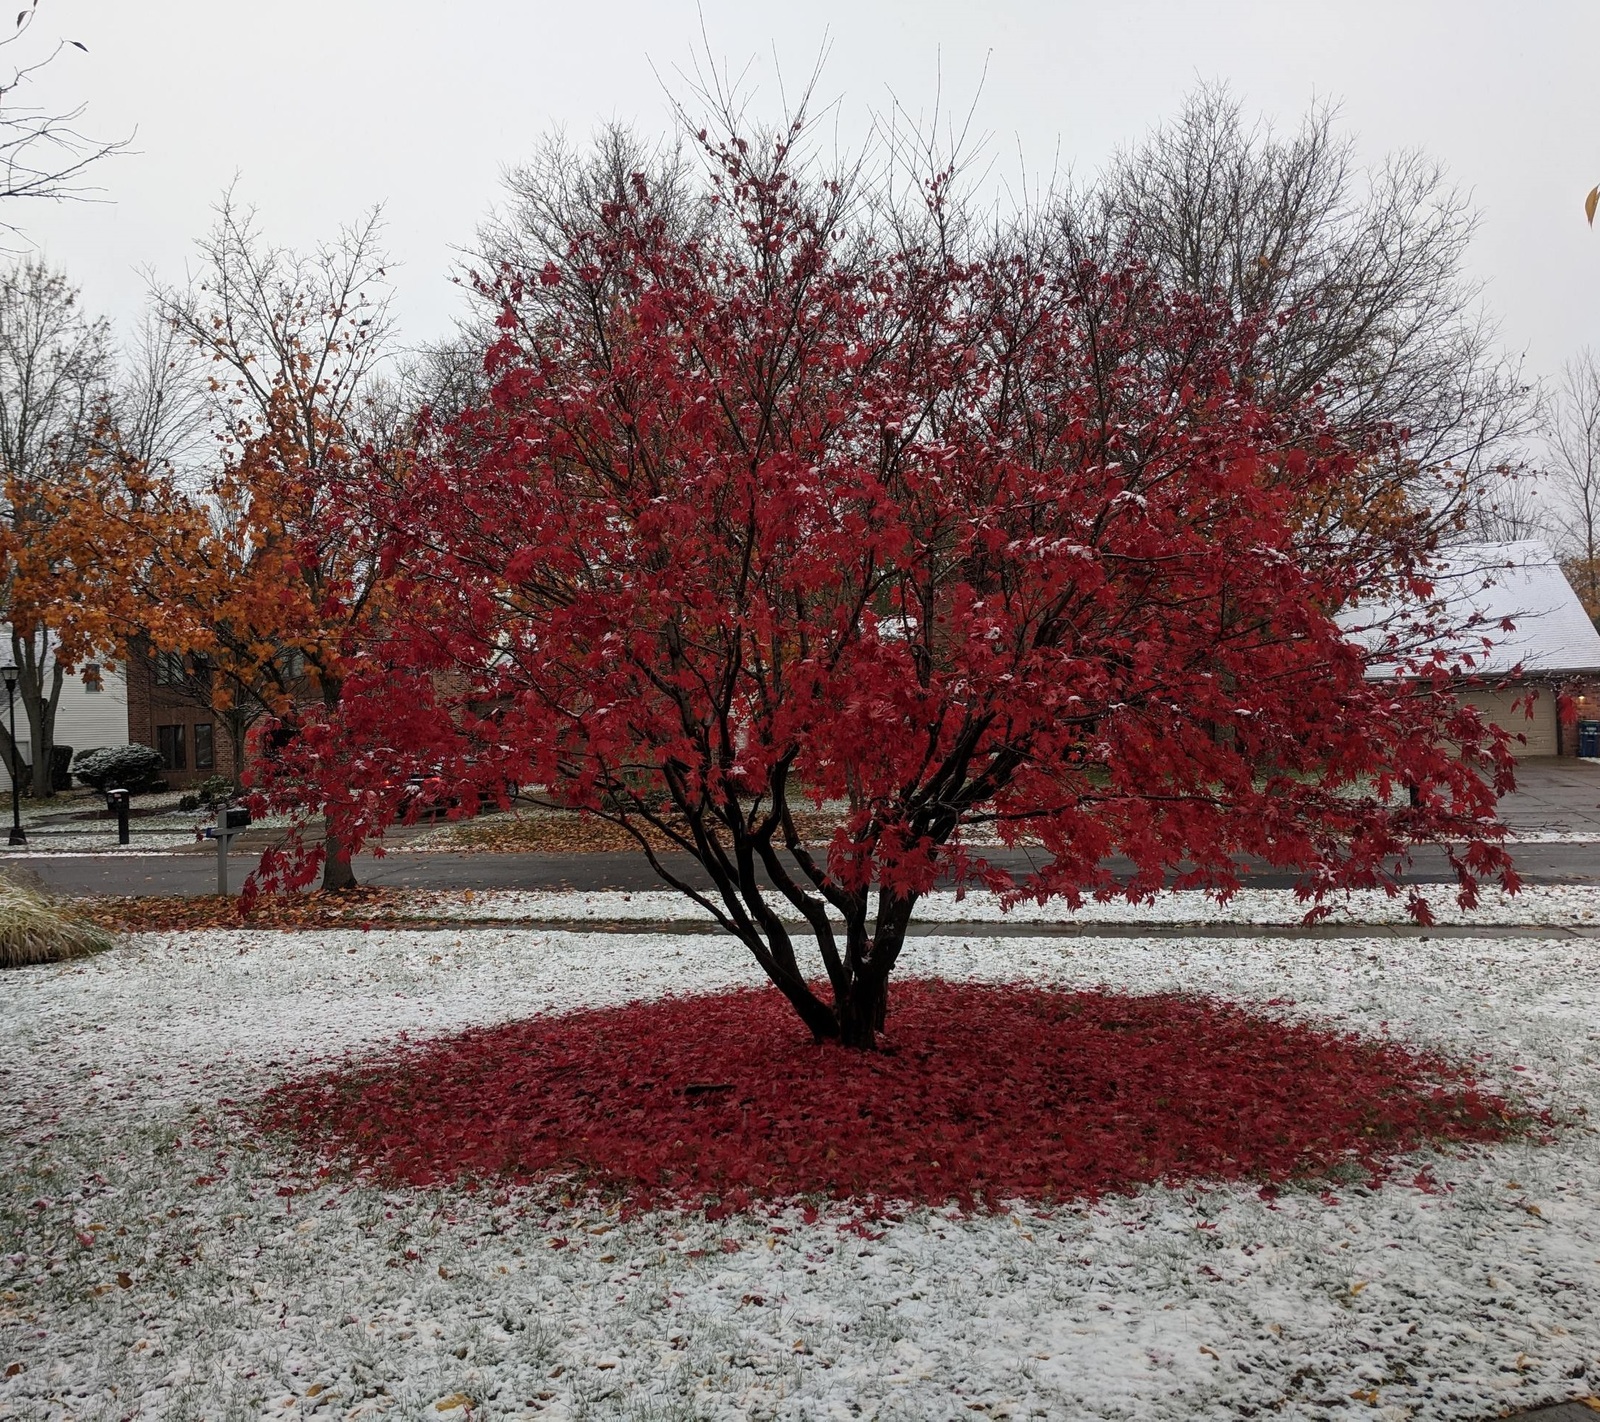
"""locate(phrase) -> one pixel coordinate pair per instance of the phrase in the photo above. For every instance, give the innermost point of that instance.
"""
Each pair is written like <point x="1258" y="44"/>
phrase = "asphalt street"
<point x="1553" y="797"/>
<point x="196" y="873"/>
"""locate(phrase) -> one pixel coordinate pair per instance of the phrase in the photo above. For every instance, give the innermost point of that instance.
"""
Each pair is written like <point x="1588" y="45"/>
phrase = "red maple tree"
<point x="781" y="503"/>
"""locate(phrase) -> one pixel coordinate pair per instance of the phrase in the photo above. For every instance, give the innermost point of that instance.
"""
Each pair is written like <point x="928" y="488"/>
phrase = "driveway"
<point x="1555" y="797"/>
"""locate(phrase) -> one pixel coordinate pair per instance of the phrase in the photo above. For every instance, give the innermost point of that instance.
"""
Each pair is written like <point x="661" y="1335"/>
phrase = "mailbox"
<point x="117" y="803"/>
<point x="230" y="820"/>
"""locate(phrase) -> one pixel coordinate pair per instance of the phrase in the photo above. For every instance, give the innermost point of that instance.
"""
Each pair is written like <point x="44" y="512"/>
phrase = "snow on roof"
<point x="1482" y="586"/>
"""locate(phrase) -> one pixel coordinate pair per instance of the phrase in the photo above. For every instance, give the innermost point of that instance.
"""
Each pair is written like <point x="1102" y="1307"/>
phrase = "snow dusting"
<point x="1569" y="905"/>
<point x="161" y="1263"/>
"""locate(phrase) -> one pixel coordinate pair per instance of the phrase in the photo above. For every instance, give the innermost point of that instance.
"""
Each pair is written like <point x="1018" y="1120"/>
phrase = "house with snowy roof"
<point x="1505" y="619"/>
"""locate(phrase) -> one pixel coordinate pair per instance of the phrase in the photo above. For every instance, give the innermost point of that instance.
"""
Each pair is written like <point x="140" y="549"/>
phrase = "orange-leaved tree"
<point x="253" y="567"/>
<point x="283" y="582"/>
<point x="261" y="579"/>
<point x="55" y="382"/>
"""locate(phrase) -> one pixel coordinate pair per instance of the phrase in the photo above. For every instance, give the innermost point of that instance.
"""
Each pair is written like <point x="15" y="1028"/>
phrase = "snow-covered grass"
<point x="50" y="842"/>
<point x="1570" y="905"/>
<point x="156" y="1266"/>
<point x="1553" y="837"/>
<point x="55" y="826"/>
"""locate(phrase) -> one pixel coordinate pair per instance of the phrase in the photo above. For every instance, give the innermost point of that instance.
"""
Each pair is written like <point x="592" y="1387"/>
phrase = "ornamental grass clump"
<point x="34" y="930"/>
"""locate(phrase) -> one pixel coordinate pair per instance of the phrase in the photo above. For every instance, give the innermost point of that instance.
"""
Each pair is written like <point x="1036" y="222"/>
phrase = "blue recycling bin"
<point x="1589" y="739"/>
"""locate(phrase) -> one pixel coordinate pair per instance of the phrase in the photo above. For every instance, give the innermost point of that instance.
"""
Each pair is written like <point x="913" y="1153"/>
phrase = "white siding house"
<point x="92" y="712"/>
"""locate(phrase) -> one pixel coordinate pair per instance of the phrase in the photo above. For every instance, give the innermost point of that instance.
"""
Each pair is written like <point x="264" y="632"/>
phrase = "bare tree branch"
<point x="43" y="154"/>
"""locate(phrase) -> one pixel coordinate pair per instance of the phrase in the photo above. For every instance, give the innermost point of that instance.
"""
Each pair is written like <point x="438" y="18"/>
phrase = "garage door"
<point x="1539" y="732"/>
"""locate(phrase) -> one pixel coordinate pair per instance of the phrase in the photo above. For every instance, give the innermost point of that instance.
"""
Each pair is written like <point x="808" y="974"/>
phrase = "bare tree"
<point x="1573" y="442"/>
<point x="1360" y="271"/>
<point x="55" y="372"/>
<point x="162" y="402"/>
<point x="562" y="194"/>
<point x="1505" y="504"/>
<point x="42" y="154"/>
<point x="269" y="320"/>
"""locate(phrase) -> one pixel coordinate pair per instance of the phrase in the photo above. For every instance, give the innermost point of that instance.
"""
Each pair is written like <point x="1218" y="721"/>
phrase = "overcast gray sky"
<point x="325" y="107"/>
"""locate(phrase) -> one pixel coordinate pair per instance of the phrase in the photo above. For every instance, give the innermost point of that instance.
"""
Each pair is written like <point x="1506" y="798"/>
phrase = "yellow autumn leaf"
<point x="1355" y="1289"/>
<point x="455" y="1400"/>
<point x="1590" y="203"/>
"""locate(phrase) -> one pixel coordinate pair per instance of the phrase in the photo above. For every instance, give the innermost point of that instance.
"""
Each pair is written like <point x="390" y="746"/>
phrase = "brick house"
<point x="169" y="711"/>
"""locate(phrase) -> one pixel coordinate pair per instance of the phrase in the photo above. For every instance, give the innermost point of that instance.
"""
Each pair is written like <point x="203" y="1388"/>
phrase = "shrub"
<point x="214" y="787"/>
<point x="35" y="930"/>
<point x="61" y="767"/>
<point x="188" y="802"/>
<point x="134" y="768"/>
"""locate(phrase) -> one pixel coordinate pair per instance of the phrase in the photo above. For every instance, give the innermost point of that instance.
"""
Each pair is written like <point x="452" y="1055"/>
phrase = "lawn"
<point x="165" y="1259"/>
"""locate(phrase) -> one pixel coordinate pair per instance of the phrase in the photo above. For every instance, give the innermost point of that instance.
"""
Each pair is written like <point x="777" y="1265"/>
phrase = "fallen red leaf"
<point x="986" y="1094"/>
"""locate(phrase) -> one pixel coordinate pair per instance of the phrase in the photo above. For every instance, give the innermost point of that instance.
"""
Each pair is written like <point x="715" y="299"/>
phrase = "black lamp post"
<point x="9" y="672"/>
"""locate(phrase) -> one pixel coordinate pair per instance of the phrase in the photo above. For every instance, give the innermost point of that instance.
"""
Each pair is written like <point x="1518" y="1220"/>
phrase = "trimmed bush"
<point x="134" y="768"/>
<point x="35" y="930"/>
<point x="214" y="787"/>
<point x="188" y="802"/>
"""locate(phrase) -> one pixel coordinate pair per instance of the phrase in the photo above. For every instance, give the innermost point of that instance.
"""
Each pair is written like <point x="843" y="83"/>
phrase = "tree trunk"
<point x="237" y="725"/>
<point x="337" y="875"/>
<point x="39" y="682"/>
<point x="41" y="747"/>
<point x="862" y="1013"/>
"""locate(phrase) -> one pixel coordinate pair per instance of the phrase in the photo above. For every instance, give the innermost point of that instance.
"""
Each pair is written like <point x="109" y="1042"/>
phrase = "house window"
<point x="169" y="668"/>
<point x="170" y="745"/>
<point x="93" y="680"/>
<point x="204" y="746"/>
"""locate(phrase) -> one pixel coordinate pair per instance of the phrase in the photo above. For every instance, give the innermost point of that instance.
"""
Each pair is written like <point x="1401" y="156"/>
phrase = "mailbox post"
<point x="231" y="820"/>
<point x="117" y="803"/>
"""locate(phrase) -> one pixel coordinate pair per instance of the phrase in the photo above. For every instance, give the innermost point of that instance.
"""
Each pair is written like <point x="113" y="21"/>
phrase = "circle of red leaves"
<point x="984" y="1094"/>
